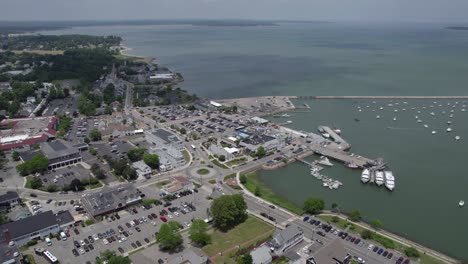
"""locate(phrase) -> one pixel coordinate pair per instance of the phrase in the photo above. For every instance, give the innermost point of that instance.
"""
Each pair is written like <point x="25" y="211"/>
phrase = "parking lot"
<point x="131" y="229"/>
<point x="63" y="176"/>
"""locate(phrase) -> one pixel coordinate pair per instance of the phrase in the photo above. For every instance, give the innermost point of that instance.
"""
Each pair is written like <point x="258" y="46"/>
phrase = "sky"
<point x="445" y="11"/>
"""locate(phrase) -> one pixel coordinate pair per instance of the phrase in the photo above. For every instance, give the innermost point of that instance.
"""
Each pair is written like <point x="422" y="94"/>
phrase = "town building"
<point x="269" y="143"/>
<point x="261" y="255"/>
<point x="109" y="200"/>
<point x="169" y="156"/>
<point x="35" y="227"/>
<point x="162" y="138"/>
<point x="20" y="132"/>
<point x="228" y="153"/>
<point x="189" y="257"/>
<point x="178" y="183"/>
<point x="142" y="169"/>
<point x="9" y="200"/>
<point x="287" y="238"/>
<point x="335" y="252"/>
<point x="60" y="153"/>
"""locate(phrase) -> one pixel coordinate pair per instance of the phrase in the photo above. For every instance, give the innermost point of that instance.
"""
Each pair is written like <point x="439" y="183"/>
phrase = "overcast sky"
<point x="333" y="10"/>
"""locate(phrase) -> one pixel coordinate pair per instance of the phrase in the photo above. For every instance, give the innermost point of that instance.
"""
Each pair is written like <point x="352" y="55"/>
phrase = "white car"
<point x="82" y="242"/>
<point x="153" y="223"/>
<point x="81" y="251"/>
<point x="170" y="216"/>
<point x="95" y="237"/>
<point x="105" y="241"/>
<point x="370" y="247"/>
<point x="176" y="214"/>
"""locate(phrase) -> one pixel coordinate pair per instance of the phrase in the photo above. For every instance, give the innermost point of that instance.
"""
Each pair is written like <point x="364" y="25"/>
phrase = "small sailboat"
<point x="461" y="203"/>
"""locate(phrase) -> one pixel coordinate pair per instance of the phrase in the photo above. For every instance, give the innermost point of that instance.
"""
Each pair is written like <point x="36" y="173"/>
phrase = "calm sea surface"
<point x="343" y="59"/>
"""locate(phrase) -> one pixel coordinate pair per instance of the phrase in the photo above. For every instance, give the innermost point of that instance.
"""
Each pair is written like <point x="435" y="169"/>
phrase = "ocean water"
<point x="343" y="59"/>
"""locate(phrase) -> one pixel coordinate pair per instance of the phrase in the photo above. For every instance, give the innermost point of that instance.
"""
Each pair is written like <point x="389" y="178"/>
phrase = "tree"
<point x="257" y="191"/>
<point x="243" y="179"/>
<point x="38" y="163"/>
<point x="355" y="215"/>
<point x="35" y="183"/>
<point x="129" y="173"/>
<point x="52" y="188"/>
<point x="97" y="171"/>
<point x="168" y="237"/>
<point x="93" y="151"/>
<point x="246" y="259"/>
<point x="136" y="154"/>
<point x="412" y="252"/>
<point x="110" y="257"/>
<point x="183" y="131"/>
<point x="228" y="211"/>
<point x="260" y="152"/>
<point x="198" y="232"/>
<point x="15" y="156"/>
<point x="376" y="223"/>
<point x="366" y="234"/>
<point x="222" y="158"/>
<point x="76" y="185"/>
<point x="95" y="135"/>
<point x="151" y="160"/>
<point x="313" y="205"/>
<point x="334" y="206"/>
<point x="335" y="219"/>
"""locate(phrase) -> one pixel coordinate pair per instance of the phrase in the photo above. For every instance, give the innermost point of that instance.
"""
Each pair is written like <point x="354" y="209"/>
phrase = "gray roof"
<point x="261" y="255"/>
<point x="55" y="149"/>
<point x="64" y="217"/>
<point x="109" y="199"/>
<point x="8" y="196"/>
<point x="188" y="257"/>
<point x="165" y="135"/>
<point x="29" y="225"/>
<point x="287" y="234"/>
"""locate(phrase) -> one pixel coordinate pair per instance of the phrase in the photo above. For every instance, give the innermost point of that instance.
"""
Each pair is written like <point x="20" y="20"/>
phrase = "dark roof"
<point x="27" y="155"/>
<point x="29" y="225"/>
<point x="64" y="217"/>
<point x="57" y="145"/>
<point x="165" y="135"/>
<point x="8" y="196"/>
<point x="109" y="199"/>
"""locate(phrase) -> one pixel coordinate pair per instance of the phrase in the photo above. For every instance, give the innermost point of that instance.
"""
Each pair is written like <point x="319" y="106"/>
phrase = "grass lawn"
<point x="250" y="229"/>
<point x="162" y="183"/>
<point x="186" y="155"/>
<point x="219" y="164"/>
<point x="212" y="181"/>
<point x="236" y="161"/>
<point x="203" y="171"/>
<point x="230" y="176"/>
<point x="266" y="193"/>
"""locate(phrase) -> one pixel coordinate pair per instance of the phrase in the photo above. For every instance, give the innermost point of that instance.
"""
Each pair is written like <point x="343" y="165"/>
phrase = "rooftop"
<point x="165" y="135"/>
<point x="56" y="149"/>
<point x="8" y="196"/>
<point x="28" y="225"/>
<point x="26" y="131"/>
<point x="108" y="199"/>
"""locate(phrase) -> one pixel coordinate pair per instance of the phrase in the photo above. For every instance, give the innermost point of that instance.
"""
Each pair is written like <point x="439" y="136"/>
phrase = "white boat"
<point x="324" y="161"/>
<point x="394" y="119"/>
<point x="338" y="131"/>
<point x="449" y="129"/>
<point x="326" y="135"/>
<point x="449" y="122"/>
<point x="457" y="137"/>
<point x="396" y="110"/>
<point x="365" y="176"/>
<point x="463" y="110"/>
<point x="381" y="108"/>
<point x="416" y="117"/>
<point x="426" y="126"/>
<point x="378" y="117"/>
<point x="389" y="180"/>
<point x="461" y="203"/>
<point x="379" y="178"/>
<point x="432" y="113"/>
<point x="434" y="132"/>
<point x="419" y="121"/>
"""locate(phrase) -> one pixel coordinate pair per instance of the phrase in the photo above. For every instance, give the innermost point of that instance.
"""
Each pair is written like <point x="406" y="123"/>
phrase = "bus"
<point x="49" y="257"/>
<point x="193" y="146"/>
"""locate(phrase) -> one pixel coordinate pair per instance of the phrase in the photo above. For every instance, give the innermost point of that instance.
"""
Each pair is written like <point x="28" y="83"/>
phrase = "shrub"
<point x="411" y="252"/>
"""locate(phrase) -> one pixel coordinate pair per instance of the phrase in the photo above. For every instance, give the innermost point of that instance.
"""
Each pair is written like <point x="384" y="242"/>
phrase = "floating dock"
<point x="337" y="138"/>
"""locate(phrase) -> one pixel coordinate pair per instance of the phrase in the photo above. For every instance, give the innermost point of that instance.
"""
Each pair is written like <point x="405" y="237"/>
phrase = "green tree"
<point x="243" y="179"/>
<point x="38" y="163"/>
<point x="313" y="205"/>
<point x="129" y="173"/>
<point x="93" y="151"/>
<point x="76" y="185"/>
<point x="52" y="188"/>
<point x="98" y="172"/>
<point x="355" y="215"/>
<point x="376" y="223"/>
<point x="15" y="156"/>
<point x="198" y="232"/>
<point x="86" y="140"/>
<point x="95" y="135"/>
<point x="412" y="252"/>
<point x="35" y="183"/>
<point x="228" y="211"/>
<point x="335" y="219"/>
<point x="222" y="158"/>
<point x="136" y="154"/>
<point x="257" y="192"/>
<point x="151" y="160"/>
<point x="110" y="257"/>
<point x="183" y="131"/>
<point x="245" y="259"/>
<point x="334" y="206"/>
<point x="168" y="237"/>
<point x="109" y="93"/>
<point x="260" y="152"/>
<point x="366" y="234"/>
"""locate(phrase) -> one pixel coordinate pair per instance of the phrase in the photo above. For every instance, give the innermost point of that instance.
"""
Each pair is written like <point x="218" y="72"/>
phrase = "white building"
<point x="142" y="169"/>
<point x="161" y="138"/>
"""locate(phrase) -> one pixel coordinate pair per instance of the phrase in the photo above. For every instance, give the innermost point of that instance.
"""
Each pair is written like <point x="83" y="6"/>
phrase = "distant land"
<point x="457" y="27"/>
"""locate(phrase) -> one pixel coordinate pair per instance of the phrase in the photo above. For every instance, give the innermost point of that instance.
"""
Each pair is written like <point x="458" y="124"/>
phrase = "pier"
<point x="337" y="138"/>
<point x="384" y="97"/>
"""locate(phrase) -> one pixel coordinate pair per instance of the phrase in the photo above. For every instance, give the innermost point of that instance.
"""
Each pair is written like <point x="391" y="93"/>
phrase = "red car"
<point x="163" y="219"/>
<point x="406" y="261"/>
<point x="352" y="239"/>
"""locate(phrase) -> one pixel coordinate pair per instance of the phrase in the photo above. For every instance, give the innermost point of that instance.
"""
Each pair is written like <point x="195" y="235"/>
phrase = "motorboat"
<point x="394" y="119"/>
<point x="449" y="129"/>
<point x="426" y="126"/>
<point x="434" y="132"/>
<point x="378" y="117"/>
<point x="337" y="130"/>
<point x="461" y="203"/>
<point x="419" y="121"/>
<point x="365" y="176"/>
<point x="351" y="165"/>
<point x="326" y="135"/>
<point x="457" y="138"/>
<point x="389" y="180"/>
<point x="463" y="110"/>
<point x="324" y="161"/>
<point x="379" y="178"/>
<point x="449" y="122"/>
<point x="432" y="113"/>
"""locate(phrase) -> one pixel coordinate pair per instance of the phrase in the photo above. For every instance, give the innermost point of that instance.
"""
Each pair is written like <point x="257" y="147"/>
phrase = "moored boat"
<point x="365" y="176"/>
<point x="351" y="165"/>
<point x="379" y="178"/>
<point x="461" y="203"/>
<point x="389" y="180"/>
<point x="324" y="161"/>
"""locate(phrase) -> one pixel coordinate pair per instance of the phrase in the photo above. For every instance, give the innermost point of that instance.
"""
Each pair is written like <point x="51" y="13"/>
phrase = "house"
<point x="9" y="200"/>
<point x="189" y="257"/>
<point x="287" y="238"/>
<point x="178" y="183"/>
<point x="34" y="227"/>
<point x="109" y="200"/>
<point x="142" y="169"/>
<point x="261" y="255"/>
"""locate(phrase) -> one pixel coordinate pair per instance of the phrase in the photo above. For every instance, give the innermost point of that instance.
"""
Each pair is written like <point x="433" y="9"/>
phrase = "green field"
<point x="186" y="155"/>
<point x="219" y="164"/>
<point x="267" y="194"/>
<point x="249" y="230"/>
<point x="236" y="161"/>
<point x="203" y="171"/>
<point x="162" y="183"/>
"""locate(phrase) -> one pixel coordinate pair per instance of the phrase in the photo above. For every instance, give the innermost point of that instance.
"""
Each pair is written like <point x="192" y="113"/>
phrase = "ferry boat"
<point x="365" y="176"/>
<point x="379" y="178"/>
<point x="389" y="180"/>
<point x="324" y="161"/>
<point x="351" y="165"/>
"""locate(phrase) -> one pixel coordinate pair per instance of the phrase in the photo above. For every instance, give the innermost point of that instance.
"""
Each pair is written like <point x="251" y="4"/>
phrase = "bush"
<point x="31" y="243"/>
<point x="89" y="222"/>
<point x="335" y="219"/>
<point x="411" y="252"/>
<point x="366" y="234"/>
